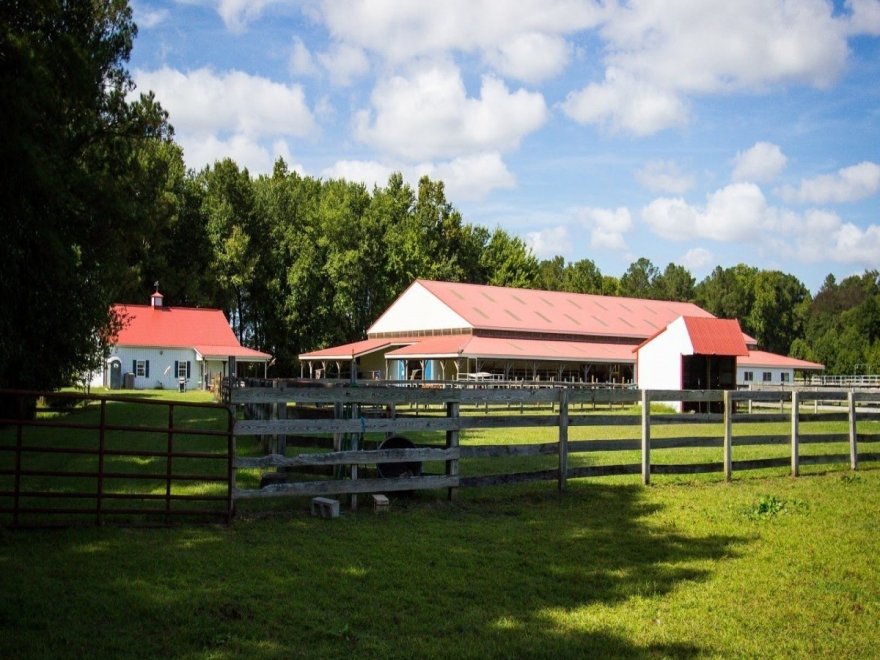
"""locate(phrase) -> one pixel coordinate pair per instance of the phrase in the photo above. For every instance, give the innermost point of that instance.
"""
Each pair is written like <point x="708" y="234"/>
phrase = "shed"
<point x="691" y="353"/>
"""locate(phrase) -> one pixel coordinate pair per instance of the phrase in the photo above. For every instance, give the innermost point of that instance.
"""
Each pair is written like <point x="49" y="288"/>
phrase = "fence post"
<point x="563" y="438"/>
<point x="17" y="488"/>
<point x="453" y="410"/>
<point x="101" y="432"/>
<point x="230" y="463"/>
<point x="280" y="414"/>
<point x="795" y="437"/>
<point x="355" y="445"/>
<point x="728" y="435"/>
<point x="646" y="438"/>
<point x="853" y="435"/>
<point x="168" y="462"/>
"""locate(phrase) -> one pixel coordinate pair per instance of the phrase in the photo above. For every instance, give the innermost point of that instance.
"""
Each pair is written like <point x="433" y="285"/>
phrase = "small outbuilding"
<point x="691" y="353"/>
<point x="172" y="348"/>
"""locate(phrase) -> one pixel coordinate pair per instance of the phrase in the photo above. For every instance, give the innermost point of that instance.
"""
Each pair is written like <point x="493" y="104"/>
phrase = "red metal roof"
<point x="716" y="336"/>
<point x="205" y="330"/>
<point x="528" y="310"/>
<point x="354" y="349"/>
<point x="765" y="359"/>
<point x="515" y="349"/>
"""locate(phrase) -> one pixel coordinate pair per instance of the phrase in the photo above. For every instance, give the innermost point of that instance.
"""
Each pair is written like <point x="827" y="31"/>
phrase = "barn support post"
<point x="563" y="439"/>
<point x="795" y="433"/>
<point x="646" y="438"/>
<point x="453" y="410"/>
<point x="728" y="435"/>
<point x="853" y="435"/>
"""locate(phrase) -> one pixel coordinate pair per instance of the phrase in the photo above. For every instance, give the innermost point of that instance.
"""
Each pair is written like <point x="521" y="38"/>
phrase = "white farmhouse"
<point x="172" y="347"/>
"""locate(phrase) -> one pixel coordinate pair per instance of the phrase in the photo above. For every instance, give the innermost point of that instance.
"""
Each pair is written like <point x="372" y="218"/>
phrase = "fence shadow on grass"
<point x="515" y="574"/>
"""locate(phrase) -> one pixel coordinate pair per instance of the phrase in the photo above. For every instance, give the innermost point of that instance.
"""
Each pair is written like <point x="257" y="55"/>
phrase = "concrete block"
<point x="325" y="507"/>
<point x="380" y="503"/>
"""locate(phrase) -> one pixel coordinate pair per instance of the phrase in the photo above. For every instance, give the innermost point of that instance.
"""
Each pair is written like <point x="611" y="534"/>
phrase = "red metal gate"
<point x="69" y="458"/>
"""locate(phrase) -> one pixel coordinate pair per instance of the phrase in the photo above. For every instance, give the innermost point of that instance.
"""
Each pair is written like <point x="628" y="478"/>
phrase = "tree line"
<point x="300" y="263"/>
<point x="97" y="204"/>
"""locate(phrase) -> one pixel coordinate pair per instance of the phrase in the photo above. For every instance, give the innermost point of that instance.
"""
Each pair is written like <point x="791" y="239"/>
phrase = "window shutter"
<point x="134" y="367"/>
<point x="147" y="369"/>
<point x="176" y="369"/>
<point x="187" y="368"/>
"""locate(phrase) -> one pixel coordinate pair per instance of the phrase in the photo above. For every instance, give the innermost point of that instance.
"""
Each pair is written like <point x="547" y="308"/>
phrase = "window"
<point x="748" y="376"/>
<point x="785" y="376"/>
<point x="141" y="368"/>
<point x="768" y="376"/>
<point x="182" y="368"/>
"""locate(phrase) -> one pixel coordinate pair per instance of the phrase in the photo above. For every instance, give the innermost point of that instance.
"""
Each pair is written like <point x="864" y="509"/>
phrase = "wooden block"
<point x="380" y="503"/>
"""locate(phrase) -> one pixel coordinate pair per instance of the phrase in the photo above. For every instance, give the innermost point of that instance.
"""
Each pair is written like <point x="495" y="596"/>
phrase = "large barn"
<point x="453" y="331"/>
<point x="171" y="347"/>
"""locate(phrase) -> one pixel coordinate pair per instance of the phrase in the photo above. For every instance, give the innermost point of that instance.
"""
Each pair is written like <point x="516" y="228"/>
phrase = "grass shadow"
<point x="515" y="573"/>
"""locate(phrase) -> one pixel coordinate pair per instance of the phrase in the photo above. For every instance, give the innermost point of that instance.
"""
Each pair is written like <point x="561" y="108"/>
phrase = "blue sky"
<point x="699" y="132"/>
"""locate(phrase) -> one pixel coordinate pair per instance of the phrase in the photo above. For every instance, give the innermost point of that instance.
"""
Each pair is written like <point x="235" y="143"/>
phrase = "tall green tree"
<point x="639" y="279"/>
<point x="76" y="194"/>
<point x="674" y="283"/>
<point x="776" y="318"/>
<point x="507" y="261"/>
<point x="728" y="293"/>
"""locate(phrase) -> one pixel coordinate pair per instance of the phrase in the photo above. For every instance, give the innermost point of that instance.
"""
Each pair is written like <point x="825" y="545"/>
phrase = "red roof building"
<point x="172" y="347"/>
<point x="450" y="331"/>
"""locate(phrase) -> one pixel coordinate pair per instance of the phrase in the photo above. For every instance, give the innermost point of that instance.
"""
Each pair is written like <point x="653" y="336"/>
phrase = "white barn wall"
<point x="658" y="365"/>
<point x="162" y="374"/>
<point x="758" y="372"/>
<point x="417" y="310"/>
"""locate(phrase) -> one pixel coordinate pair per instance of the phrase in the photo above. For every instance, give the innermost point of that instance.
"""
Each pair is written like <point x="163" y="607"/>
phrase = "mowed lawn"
<point x="688" y="567"/>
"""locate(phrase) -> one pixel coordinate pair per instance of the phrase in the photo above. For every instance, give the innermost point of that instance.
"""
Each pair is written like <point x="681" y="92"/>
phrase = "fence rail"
<point x="79" y="466"/>
<point x="351" y="412"/>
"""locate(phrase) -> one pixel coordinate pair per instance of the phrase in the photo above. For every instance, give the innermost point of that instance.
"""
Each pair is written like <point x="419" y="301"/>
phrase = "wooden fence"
<point x="351" y="412"/>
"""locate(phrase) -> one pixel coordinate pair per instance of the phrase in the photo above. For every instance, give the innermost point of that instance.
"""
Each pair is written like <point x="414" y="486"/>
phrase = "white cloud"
<point x="201" y="151"/>
<point x="236" y="14"/>
<point x="549" y="242"/>
<point x="820" y="236"/>
<point x="733" y="213"/>
<point x="368" y="172"/>
<point x="301" y="62"/>
<point x="203" y="103"/>
<point x="739" y="213"/>
<point x="468" y="178"/>
<point x="848" y="184"/>
<point x="531" y="56"/>
<point x="430" y="115"/>
<point x="660" y="53"/>
<point x="606" y="226"/>
<point x="402" y="31"/>
<point x="664" y="176"/>
<point x="344" y="63"/>
<point x="759" y="164"/>
<point x="233" y="114"/>
<point x="697" y="259"/>
<point x="625" y="103"/>
<point x="148" y="18"/>
<point x="865" y="17"/>
<point x="471" y="178"/>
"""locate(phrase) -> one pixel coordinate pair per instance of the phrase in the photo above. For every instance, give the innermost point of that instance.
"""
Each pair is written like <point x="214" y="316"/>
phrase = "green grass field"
<point x="764" y="566"/>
